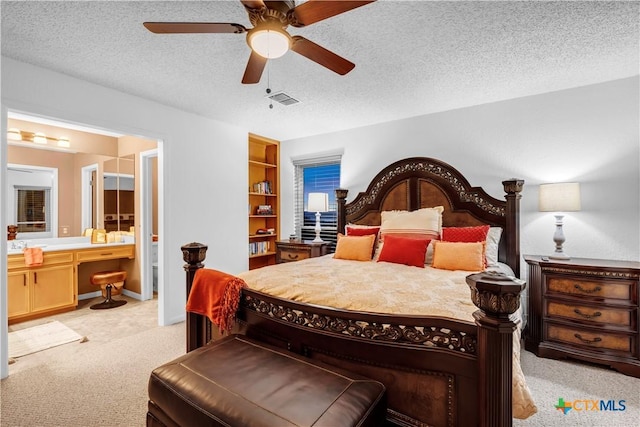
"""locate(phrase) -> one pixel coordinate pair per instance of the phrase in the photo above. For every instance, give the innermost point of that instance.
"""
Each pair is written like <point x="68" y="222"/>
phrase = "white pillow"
<point x="491" y="249"/>
<point x="421" y="222"/>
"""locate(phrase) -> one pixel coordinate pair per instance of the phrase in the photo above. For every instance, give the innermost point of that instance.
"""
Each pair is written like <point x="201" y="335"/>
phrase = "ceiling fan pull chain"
<point x="269" y="85"/>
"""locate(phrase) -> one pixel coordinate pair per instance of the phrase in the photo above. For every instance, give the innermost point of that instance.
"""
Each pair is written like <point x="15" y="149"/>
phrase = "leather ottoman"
<point x="237" y="381"/>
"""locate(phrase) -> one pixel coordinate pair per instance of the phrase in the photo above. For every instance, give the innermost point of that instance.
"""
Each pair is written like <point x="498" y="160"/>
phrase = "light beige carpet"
<point x="40" y="337"/>
<point x="99" y="383"/>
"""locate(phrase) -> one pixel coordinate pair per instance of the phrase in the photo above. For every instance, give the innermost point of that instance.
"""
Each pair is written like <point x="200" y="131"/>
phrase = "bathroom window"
<point x="33" y="209"/>
<point x="32" y="202"/>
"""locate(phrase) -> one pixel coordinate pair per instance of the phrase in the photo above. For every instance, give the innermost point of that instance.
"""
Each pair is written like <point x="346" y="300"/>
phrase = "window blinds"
<point x="316" y="174"/>
<point x="33" y="209"/>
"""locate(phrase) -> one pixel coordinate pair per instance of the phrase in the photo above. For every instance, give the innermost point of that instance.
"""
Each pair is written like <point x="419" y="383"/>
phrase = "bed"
<point x="438" y="369"/>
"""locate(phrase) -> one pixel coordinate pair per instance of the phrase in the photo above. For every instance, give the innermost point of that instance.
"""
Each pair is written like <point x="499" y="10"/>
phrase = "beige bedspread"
<point x="382" y="287"/>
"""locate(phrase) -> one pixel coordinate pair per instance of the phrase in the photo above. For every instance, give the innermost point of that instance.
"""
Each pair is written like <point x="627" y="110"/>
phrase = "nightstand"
<point x="585" y="309"/>
<point x="296" y="250"/>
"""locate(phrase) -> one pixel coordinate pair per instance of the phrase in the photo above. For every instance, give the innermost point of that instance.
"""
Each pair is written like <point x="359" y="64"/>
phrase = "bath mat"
<point x="41" y="337"/>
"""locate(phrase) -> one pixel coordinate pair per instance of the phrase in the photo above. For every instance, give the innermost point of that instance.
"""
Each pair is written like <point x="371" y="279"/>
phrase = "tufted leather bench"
<point x="237" y="381"/>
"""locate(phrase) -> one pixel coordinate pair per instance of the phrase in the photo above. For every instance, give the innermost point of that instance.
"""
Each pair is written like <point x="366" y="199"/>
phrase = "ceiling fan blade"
<point x="193" y="27"/>
<point x="254" y="69"/>
<point x="253" y="4"/>
<point x="321" y="55"/>
<point x="313" y="11"/>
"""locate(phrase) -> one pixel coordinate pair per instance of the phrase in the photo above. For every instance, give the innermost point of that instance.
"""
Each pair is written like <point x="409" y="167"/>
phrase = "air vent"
<point x="283" y="98"/>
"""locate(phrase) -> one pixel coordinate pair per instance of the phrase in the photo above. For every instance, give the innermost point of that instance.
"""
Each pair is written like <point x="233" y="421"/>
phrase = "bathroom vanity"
<point x="53" y="286"/>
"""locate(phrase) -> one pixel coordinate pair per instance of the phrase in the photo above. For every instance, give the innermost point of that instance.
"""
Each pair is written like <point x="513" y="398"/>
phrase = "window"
<point x="317" y="175"/>
<point x="32" y="201"/>
<point x="33" y="210"/>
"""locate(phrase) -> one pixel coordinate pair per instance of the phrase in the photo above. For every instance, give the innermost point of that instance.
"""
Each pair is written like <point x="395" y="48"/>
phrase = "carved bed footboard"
<point x="437" y="371"/>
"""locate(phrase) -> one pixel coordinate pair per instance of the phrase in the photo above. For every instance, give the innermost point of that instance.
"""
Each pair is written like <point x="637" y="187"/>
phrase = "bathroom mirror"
<point x="119" y="193"/>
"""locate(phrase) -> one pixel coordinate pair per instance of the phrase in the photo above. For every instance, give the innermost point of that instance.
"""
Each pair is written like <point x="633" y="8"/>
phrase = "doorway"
<point x="91" y="159"/>
<point x="150" y="241"/>
<point x="89" y="199"/>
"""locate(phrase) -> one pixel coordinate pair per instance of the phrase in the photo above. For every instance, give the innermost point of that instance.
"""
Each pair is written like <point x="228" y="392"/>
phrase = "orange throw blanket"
<point x="33" y="257"/>
<point x="216" y="295"/>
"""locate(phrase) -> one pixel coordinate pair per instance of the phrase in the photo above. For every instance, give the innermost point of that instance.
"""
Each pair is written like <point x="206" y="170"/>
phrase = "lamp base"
<point x="559" y="256"/>
<point x="318" y="229"/>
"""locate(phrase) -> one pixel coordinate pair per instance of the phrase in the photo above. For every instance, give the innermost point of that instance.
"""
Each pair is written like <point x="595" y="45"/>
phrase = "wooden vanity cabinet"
<point x="52" y="288"/>
<point x="47" y="289"/>
<point x="18" y="294"/>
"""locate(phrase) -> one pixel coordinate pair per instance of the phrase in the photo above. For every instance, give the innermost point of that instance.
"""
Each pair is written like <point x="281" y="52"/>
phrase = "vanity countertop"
<point x="62" y="244"/>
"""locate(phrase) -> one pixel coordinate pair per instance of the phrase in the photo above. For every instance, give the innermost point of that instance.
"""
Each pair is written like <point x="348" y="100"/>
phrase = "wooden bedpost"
<point x="513" y="188"/>
<point x="341" y="198"/>
<point x="498" y="297"/>
<point x="197" y="335"/>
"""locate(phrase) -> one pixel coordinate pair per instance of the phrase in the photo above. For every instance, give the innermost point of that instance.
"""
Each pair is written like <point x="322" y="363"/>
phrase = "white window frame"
<point x="299" y="163"/>
<point x="48" y="175"/>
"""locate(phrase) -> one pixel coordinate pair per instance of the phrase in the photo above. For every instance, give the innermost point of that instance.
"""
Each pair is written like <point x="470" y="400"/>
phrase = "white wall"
<point x="588" y="134"/>
<point x="200" y="195"/>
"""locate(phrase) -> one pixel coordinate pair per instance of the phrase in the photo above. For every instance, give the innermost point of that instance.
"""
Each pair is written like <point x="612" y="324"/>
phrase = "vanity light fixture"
<point x="39" y="138"/>
<point x="14" y="134"/>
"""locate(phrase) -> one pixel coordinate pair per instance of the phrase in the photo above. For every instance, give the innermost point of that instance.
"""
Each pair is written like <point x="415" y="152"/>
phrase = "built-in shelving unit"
<point x="264" y="202"/>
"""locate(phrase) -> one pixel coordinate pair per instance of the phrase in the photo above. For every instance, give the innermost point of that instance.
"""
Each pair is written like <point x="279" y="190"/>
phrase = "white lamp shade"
<point x="318" y="202"/>
<point x="269" y="43"/>
<point x="559" y="197"/>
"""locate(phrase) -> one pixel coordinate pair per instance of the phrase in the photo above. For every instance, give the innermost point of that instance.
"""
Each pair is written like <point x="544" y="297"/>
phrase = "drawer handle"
<point x="586" y="341"/>
<point x="587" y="291"/>
<point x="109" y="254"/>
<point x="587" y="316"/>
<point x="292" y="256"/>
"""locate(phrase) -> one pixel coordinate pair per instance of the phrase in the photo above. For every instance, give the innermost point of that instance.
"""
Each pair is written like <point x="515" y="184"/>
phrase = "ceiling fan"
<point x="268" y="38"/>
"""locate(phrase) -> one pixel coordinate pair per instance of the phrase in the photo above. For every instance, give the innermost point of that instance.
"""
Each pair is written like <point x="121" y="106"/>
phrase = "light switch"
<point x="65" y="230"/>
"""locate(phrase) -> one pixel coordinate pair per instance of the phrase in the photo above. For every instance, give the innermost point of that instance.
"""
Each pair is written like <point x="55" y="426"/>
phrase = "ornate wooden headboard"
<point x="420" y="182"/>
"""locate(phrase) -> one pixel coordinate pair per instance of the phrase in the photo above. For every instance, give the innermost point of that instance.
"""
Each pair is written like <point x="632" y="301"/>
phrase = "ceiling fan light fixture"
<point x="269" y="43"/>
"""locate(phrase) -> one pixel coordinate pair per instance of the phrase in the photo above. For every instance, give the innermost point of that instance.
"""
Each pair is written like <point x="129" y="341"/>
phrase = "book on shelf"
<point x="264" y="210"/>
<point x="256" y="248"/>
<point x="262" y="187"/>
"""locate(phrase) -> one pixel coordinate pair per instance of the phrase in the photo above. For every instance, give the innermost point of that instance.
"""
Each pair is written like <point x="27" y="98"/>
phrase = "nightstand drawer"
<point x="297" y="250"/>
<point x="288" y="255"/>
<point x="590" y="339"/>
<point x="614" y="316"/>
<point x="591" y="288"/>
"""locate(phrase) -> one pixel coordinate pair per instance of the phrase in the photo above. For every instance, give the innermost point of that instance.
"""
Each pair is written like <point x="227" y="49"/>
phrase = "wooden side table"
<point x="585" y="309"/>
<point x="296" y="250"/>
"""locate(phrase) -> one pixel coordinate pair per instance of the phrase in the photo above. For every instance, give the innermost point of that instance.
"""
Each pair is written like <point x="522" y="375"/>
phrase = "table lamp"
<point x="559" y="198"/>
<point x="318" y="202"/>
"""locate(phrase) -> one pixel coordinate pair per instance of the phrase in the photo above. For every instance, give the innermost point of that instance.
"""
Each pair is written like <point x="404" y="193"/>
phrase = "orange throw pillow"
<point x="356" y="248"/>
<point x="458" y="256"/>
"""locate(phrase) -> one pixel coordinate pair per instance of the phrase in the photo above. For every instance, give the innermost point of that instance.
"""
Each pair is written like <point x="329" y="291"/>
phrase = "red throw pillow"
<point x="465" y="234"/>
<point x="404" y="250"/>
<point x="362" y="231"/>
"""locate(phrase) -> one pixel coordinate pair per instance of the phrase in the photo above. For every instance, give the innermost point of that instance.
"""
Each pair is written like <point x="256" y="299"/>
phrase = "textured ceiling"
<point x="412" y="57"/>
